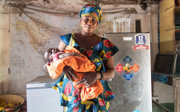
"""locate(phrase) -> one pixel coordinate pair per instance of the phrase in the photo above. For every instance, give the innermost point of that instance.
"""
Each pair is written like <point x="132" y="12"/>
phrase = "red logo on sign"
<point x="141" y="47"/>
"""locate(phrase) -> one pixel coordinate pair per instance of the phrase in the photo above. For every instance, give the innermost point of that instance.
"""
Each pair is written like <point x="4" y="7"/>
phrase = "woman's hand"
<point x="90" y="78"/>
<point x="69" y="72"/>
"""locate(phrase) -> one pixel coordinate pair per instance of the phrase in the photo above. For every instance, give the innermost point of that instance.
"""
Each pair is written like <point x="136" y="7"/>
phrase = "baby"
<point x="57" y="60"/>
<point x="54" y="54"/>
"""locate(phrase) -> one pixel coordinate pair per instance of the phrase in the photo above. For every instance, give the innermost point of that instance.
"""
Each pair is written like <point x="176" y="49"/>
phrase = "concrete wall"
<point x="33" y="32"/>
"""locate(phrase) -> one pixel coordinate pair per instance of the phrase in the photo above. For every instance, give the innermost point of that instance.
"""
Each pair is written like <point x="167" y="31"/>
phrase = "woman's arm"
<point x="110" y="71"/>
<point x="67" y="70"/>
<point x="92" y="77"/>
<point x="61" y="46"/>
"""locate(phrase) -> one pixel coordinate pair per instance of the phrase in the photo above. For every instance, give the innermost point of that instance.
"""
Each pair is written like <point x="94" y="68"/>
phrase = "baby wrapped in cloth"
<point x="79" y="64"/>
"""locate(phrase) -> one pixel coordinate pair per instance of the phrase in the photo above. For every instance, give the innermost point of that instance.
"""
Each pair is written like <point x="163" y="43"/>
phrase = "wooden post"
<point x="4" y="48"/>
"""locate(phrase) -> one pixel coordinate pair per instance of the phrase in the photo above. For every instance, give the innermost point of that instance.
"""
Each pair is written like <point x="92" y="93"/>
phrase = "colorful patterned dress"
<point x="70" y="97"/>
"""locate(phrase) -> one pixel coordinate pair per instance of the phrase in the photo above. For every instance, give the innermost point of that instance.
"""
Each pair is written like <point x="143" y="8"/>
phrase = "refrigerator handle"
<point x="49" y="85"/>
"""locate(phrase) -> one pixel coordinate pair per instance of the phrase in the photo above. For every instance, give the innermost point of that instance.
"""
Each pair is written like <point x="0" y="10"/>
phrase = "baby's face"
<point x="49" y="53"/>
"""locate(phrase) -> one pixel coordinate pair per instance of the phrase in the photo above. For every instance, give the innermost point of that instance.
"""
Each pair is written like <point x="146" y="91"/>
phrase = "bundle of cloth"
<point x="79" y="63"/>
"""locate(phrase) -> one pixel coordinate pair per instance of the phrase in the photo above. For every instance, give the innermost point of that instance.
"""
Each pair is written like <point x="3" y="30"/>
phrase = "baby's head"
<point x="48" y="55"/>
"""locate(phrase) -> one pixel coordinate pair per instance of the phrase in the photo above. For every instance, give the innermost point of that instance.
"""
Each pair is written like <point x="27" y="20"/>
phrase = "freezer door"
<point x="132" y="81"/>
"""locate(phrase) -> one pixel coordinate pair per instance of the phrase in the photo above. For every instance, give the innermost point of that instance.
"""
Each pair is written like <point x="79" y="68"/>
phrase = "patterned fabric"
<point x="70" y="97"/>
<point x="93" y="10"/>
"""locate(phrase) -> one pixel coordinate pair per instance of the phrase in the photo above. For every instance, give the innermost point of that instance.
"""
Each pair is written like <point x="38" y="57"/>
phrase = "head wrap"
<point x="91" y="9"/>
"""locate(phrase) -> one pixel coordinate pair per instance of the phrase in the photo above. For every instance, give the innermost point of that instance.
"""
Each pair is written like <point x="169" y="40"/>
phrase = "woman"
<point x="100" y="51"/>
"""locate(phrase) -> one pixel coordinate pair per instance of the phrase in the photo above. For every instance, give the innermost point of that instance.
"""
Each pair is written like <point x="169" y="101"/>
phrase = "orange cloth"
<point x="78" y="64"/>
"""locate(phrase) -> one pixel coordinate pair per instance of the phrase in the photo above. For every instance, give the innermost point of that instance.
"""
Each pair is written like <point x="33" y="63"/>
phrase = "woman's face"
<point x="88" y="24"/>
